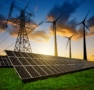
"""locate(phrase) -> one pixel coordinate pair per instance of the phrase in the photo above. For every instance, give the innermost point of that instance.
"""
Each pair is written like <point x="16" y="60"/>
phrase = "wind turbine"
<point x="36" y="26"/>
<point x="54" y="30"/>
<point x="69" y="42"/>
<point x="84" y="38"/>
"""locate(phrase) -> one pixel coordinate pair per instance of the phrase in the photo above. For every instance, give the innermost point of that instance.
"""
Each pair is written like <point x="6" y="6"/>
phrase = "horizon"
<point x="42" y="39"/>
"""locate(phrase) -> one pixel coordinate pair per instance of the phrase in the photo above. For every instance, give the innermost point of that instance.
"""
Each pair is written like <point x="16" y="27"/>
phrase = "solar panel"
<point x="30" y="66"/>
<point x="5" y="62"/>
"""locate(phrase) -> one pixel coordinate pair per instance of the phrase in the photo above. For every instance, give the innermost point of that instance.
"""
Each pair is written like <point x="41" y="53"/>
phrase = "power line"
<point x="4" y="38"/>
<point x="8" y="47"/>
<point x="3" y="34"/>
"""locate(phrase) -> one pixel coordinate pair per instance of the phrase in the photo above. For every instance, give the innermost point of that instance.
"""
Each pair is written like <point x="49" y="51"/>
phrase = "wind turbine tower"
<point x="69" y="42"/>
<point x="54" y="30"/>
<point x="84" y="36"/>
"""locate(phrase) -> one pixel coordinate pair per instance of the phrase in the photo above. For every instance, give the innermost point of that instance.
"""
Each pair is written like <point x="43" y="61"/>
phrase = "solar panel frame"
<point x="36" y="68"/>
<point x="5" y="62"/>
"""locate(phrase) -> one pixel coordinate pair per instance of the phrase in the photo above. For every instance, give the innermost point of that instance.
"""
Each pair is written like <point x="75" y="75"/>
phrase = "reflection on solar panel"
<point x="31" y="66"/>
<point x="5" y="62"/>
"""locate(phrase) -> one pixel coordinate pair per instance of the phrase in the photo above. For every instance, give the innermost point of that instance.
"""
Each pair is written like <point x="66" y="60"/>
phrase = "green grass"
<point x="83" y="80"/>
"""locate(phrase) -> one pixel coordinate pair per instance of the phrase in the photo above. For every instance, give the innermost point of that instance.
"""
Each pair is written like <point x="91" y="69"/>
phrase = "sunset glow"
<point x="41" y="34"/>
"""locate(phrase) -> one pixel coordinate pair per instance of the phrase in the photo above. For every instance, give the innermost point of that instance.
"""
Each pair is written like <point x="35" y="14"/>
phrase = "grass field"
<point x="83" y="80"/>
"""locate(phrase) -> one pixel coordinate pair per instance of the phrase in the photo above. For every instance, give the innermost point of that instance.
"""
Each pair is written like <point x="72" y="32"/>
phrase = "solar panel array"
<point x="5" y="62"/>
<point x="31" y="66"/>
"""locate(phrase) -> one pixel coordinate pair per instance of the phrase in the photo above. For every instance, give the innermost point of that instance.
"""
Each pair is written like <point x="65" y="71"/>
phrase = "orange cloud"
<point x="39" y="36"/>
<point x="65" y="22"/>
<point x="50" y="18"/>
<point x="67" y="30"/>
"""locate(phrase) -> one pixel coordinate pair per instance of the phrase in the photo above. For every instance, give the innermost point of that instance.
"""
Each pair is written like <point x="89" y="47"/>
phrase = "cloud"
<point x="39" y="36"/>
<point x="2" y="23"/>
<point x="14" y="27"/>
<point x="66" y="8"/>
<point x="92" y="55"/>
<point x="65" y="23"/>
<point x="91" y="21"/>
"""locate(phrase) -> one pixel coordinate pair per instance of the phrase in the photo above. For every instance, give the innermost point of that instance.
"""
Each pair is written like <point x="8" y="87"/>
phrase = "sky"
<point x="42" y="38"/>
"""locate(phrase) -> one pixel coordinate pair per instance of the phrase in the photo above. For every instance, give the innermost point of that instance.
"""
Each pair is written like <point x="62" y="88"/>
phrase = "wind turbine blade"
<point x="86" y="16"/>
<point x="48" y="22"/>
<point x="59" y="17"/>
<point x="67" y="43"/>
<point x="41" y="23"/>
<point x="76" y="24"/>
<point x="73" y="35"/>
<point x="66" y="37"/>
<point x="87" y="27"/>
<point x="36" y="26"/>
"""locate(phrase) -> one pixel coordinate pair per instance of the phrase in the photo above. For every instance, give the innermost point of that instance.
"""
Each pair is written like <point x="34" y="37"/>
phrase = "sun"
<point x="46" y="48"/>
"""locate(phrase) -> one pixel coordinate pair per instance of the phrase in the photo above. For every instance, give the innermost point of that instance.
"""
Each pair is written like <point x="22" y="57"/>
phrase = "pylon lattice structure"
<point x="22" y="42"/>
